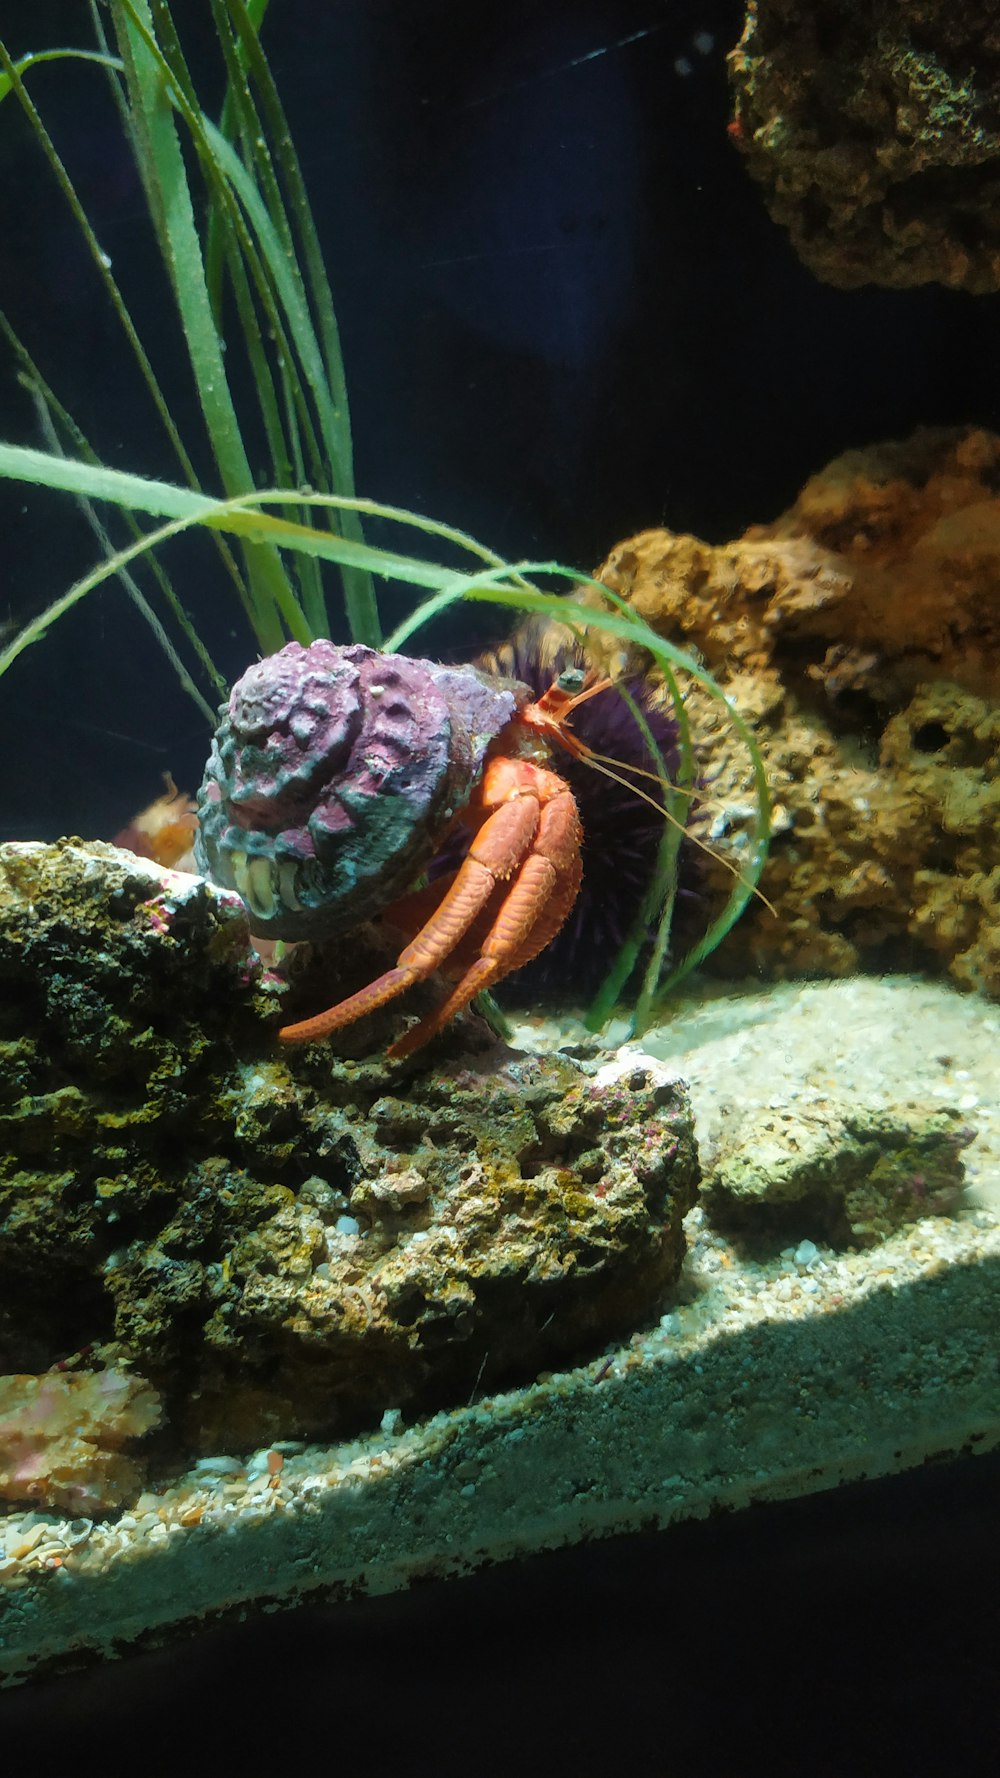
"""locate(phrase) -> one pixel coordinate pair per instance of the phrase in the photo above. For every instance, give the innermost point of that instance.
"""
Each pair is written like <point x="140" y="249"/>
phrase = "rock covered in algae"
<point x="293" y="1242"/>
<point x="839" y="1172"/>
<point x="872" y="126"/>
<point x="859" y="634"/>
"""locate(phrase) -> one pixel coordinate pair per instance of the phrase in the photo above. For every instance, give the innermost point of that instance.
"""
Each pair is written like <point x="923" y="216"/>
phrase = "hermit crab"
<point x="339" y="775"/>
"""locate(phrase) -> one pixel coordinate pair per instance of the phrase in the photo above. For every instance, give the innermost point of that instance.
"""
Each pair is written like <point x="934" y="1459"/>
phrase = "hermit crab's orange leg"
<point x="520" y="796"/>
<point x="540" y="897"/>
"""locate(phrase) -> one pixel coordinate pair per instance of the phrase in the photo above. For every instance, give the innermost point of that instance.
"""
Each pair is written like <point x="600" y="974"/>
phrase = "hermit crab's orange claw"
<point x="530" y="835"/>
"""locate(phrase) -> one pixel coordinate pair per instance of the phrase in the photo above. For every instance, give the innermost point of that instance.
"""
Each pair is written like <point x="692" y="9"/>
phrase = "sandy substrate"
<point x="869" y="1039"/>
<point x="761" y="1379"/>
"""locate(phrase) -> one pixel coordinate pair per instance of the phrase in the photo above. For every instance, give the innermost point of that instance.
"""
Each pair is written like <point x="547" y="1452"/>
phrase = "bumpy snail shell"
<point x="333" y="773"/>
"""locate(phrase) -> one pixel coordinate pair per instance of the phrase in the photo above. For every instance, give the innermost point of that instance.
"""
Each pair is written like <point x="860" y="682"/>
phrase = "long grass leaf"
<point x="101" y="260"/>
<point x="238" y="515"/>
<point x="34" y="57"/>
<point x="161" y="165"/>
<point x="215" y="228"/>
<point x="48" y="413"/>
<point x="249" y="271"/>
<point x="58" y="416"/>
<point x="358" y="589"/>
<point x="273" y="266"/>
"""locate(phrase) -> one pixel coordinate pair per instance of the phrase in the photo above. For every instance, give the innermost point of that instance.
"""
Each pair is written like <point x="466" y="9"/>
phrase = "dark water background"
<point x="565" y="317"/>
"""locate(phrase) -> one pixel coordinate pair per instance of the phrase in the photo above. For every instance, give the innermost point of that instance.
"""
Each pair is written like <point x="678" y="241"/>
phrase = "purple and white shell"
<point x="333" y="774"/>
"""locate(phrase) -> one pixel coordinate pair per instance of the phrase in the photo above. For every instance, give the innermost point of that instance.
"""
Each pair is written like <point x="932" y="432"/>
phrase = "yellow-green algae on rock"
<point x="840" y="1171"/>
<point x="288" y="1244"/>
<point x="871" y="126"/>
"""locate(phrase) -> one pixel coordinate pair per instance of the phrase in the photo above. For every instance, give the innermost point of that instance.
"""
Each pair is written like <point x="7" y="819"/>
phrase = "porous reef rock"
<point x="872" y="126"/>
<point x="833" y="1171"/>
<point x="290" y="1242"/>
<point x="860" y="636"/>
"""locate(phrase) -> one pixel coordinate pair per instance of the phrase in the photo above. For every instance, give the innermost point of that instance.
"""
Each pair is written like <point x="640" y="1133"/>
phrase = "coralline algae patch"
<point x="63" y="1436"/>
<point x="280" y="1246"/>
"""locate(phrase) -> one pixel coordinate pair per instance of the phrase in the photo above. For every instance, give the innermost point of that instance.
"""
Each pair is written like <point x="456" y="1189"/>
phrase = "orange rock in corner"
<point x="860" y="635"/>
